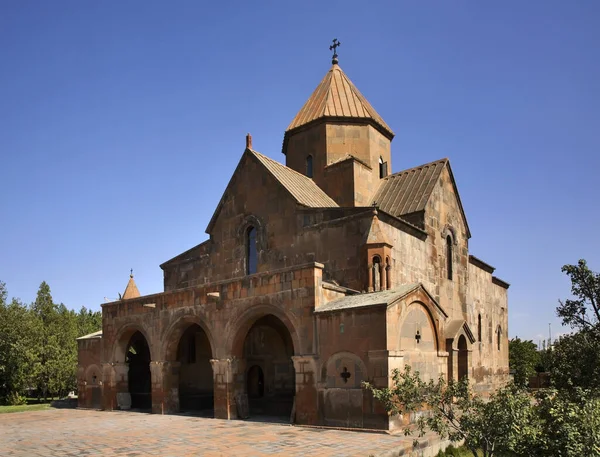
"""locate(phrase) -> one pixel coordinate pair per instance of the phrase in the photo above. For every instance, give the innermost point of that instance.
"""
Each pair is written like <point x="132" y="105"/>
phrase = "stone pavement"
<point x="70" y="432"/>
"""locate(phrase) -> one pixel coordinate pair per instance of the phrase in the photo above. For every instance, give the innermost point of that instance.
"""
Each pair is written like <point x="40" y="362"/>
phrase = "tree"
<point x="523" y="357"/>
<point x="574" y="361"/>
<point x="18" y="329"/>
<point x="582" y="312"/>
<point x="569" y="424"/>
<point x="497" y="426"/>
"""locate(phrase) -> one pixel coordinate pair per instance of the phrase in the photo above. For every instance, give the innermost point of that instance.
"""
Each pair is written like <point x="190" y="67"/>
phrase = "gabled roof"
<point x="301" y="188"/>
<point x="131" y="291"/>
<point x="337" y="97"/>
<point x="408" y="191"/>
<point x="375" y="235"/>
<point x="384" y="297"/>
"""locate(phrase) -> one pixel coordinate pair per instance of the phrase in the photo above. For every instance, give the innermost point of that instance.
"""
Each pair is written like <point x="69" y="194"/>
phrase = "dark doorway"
<point x="138" y="360"/>
<point x="196" y="392"/>
<point x="271" y="379"/>
<point x="256" y="382"/>
<point x="463" y="358"/>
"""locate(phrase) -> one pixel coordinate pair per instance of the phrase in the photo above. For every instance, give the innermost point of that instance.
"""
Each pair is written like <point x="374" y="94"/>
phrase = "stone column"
<point x="228" y="382"/>
<point x="115" y="379"/>
<point x="165" y="386"/>
<point x="306" y="402"/>
<point x="370" y="277"/>
<point x="388" y="276"/>
<point x="383" y="276"/>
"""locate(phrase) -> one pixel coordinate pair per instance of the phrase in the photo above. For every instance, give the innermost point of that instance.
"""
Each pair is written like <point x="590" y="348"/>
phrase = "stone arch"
<point x="90" y="372"/>
<point x="344" y="370"/>
<point x="121" y="342"/>
<point x="264" y="341"/>
<point x="261" y="234"/>
<point x="175" y="331"/>
<point x="189" y="348"/>
<point x="449" y="231"/>
<point x="238" y="329"/>
<point x="417" y="329"/>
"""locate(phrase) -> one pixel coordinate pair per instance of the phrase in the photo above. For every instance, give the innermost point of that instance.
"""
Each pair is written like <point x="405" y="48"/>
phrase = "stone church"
<point x="316" y="275"/>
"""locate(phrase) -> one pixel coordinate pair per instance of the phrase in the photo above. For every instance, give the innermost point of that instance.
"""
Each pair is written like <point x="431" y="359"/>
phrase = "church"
<point x="316" y="275"/>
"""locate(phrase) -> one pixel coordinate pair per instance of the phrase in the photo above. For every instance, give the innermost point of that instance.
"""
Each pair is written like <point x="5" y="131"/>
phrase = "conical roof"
<point x="131" y="291"/>
<point x="337" y="97"/>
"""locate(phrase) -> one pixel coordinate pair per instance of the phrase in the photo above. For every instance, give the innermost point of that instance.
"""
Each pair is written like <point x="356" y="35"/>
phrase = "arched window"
<point x="499" y="336"/>
<point x="251" y="257"/>
<point x="449" y="256"/>
<point x="309" y="166"/>
<point x="376" y="273"/>
<point x="382" y="168"/>
<point x="479" y="328"/>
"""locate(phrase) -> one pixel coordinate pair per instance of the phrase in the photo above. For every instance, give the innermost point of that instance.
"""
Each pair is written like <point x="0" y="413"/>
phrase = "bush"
<point x="14" y="398"/>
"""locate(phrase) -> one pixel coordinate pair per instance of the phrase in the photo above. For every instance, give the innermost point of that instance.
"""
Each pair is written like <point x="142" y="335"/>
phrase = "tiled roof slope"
<point x="384" y="297"/>
<point x="336" y="96"/>
<point x="131" y="291"/>
<point x="302" y="188"/>
<point x="408" y="191"/>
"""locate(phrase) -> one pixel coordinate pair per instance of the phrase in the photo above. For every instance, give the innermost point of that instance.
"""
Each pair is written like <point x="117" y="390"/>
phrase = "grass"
<point x="20" y="408"/>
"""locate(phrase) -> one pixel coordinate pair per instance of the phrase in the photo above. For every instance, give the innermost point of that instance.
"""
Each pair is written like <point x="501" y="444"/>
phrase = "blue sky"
<point x="121" y="123"/>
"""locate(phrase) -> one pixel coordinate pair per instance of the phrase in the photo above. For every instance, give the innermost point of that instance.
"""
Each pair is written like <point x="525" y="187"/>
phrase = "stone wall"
<point x="89" y="373"/>
<point x="488" y="299"/>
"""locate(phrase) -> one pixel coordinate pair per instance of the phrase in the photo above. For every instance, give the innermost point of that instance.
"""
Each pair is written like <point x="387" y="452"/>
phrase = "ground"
<point x="68" y="432"/>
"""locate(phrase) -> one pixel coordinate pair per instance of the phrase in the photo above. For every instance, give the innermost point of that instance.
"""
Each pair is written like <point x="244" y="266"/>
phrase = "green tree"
<point x="18" y="333"/>
<point x="583" y="311"/>
<point x="48" y="347"/>
<point x="574" y="361"/>
<point x="495" y="427"/>
<point x="523" y="357"/>
<point x="569" y="424"/>
<point x="88" y="321"/>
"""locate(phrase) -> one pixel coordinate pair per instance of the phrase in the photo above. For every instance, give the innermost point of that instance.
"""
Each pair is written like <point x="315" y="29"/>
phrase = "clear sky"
<point x="122" y="122"/>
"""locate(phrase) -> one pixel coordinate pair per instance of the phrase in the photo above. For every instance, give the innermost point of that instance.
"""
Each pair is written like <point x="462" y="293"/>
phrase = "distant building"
<point x="317" y="275"/>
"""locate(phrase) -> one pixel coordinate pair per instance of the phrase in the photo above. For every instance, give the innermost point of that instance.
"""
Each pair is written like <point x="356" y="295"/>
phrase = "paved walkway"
<point x="70" y="432"/>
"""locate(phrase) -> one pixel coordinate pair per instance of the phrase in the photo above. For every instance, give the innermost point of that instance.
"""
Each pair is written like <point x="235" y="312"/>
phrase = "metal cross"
<point x="345" y="375"/>
<point x="131" y="272"/>
<point x="333" y="48"/>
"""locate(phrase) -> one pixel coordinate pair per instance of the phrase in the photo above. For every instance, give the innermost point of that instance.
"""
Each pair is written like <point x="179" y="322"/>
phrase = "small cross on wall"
<point x="418" y="336"/>
<point x="345" y="375"/>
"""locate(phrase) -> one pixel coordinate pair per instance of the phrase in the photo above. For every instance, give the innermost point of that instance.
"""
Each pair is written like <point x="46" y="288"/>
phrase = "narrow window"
<point x="499" y="336"/>
<point x="309" y="166"/>
<point x="251" y="257"/>
<point x="449" y="256"/>
<point x="382" y="168"/>
<point x="376" y="273"/>
<point x="479" y="328"/>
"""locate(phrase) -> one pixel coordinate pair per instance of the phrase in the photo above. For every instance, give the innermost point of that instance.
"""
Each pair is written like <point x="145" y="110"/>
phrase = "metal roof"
<point x="384" y="297"/>
<point x="302" y="188"/>
<point x="408" y="191"/>
<point x="336" y="96"/>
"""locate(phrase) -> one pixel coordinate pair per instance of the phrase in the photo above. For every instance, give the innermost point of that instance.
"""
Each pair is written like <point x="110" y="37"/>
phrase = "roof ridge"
<point x="434" y="162"/>
<point x="280" y="164"/>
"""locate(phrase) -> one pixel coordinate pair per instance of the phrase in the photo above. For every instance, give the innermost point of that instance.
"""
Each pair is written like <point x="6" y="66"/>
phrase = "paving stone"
<point x="92" y="433"/>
